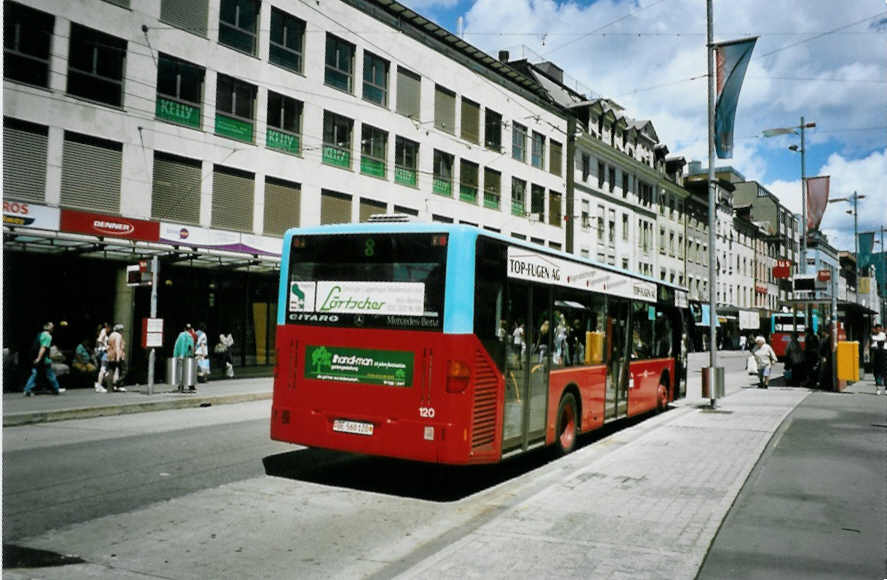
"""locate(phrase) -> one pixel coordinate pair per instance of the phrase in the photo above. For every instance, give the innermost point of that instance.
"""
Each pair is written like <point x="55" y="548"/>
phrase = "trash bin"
<point x="712" y="379"/>
<point x="174" y="372"/>
<point x="189" y="372"/>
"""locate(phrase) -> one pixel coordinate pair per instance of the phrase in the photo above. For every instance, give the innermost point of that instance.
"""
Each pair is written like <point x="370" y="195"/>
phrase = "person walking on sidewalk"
<point x="766" y="358"/>
<point x="117" y="359"/>
<point x="223" y="349"/>
<point x="878" y="355"/>
<point x="42" y="364"/>
<point x="101" y="355"/>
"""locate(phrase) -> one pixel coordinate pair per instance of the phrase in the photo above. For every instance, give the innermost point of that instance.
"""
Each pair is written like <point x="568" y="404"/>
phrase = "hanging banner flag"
<point x="817" y="200"/>
<point x="866" y="245"/>
<point x="731" y="60"/>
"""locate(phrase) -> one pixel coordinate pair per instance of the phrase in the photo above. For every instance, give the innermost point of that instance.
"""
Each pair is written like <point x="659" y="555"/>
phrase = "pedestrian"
<point x="878" y="356"/>
<point x="743" y="341"/>
<point x="826" y="380"/>
<point x="192" y="332"/>
<point x="765" y="359"/>
<point x="223" y="349"/>
<point x="794" y="361"/>
<point x="117" y="358"/>
<point x="101" y="355"/>
<point x="201" y="353"/>
<point x="83" y="358"/>
<point x="184" y="351"/>
<point x="42" y="364"/>
<point x="811" y="359"/>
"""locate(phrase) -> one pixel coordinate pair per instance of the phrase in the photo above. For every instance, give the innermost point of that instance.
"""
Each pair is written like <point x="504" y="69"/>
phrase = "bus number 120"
<point x="426" y="412"/>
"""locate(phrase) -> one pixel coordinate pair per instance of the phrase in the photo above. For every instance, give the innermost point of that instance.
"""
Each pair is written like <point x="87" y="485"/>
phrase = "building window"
<point x="339" y="70"/>
<point x="235" y="102"/>
<point x="95" y="65"/>
<point x="175" y="192"/>
<point x="538" y="155"/>
<point x="554" y="209"/>
<point x="373" y="149"/>
<point x="179" y="91"/>
<point x="492" y="188"/>
<point x="625" y="263"/>
<point x="284" y="131"/>
<point x="27" y="35"/>
<point x="335" y="207"/>
<point x="92" y="172"/>
<point x="600" y="223"/>
<point x="287" y="40"/>
<point x="282" y="201"/>
<point x="601" y="170"/>
<point x="586" y="166"/>
<point x="625" y="227"/>
<point x="537" y="201"/>
<point x="470" y="121"/>
<point x="445" y="109"/>
<point x="237" y="24"/>
<point x="189" y="15"/>
<point x="442" y="181"/>
<point x="408" y="91"/>
<point x="519" y="142"/>
<point x="337" y="140"/>
<point x="518" y="197"/>
<point x="406" y="162"/>
<point x="375" y="79"/>
<point x="554" y="159"/>
<point x="585" y="216"/>
<point x="468" y="181"/>
<point x="25" y="148"/>
<point x="492" y="130"/>
<point x="611" y="227"/>
<point x="612" y="179"/>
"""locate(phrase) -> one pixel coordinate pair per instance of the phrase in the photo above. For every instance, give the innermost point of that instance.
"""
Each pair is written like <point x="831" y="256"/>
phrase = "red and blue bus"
<point x="450" y="344"/>
<point x="783" y="324"/>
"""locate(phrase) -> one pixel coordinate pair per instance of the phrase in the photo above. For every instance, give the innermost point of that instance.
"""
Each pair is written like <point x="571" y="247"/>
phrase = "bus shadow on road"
<point x="425" y="481"/>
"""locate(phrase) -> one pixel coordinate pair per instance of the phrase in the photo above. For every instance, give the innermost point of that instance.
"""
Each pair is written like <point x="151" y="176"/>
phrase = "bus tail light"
<point x="458" y="375"/>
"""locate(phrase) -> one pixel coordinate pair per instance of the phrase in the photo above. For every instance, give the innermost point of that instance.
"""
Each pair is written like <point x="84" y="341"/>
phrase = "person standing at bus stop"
<point x="794" y="361"/>
<point x="766" y="358"/>
<point x="117" y="358"/>
<point x="184" y="349"/>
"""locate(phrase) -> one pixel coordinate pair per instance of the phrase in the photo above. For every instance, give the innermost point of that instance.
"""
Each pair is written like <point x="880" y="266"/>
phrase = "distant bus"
<point x="449" y="344"/>
<point x="782" y="324"/>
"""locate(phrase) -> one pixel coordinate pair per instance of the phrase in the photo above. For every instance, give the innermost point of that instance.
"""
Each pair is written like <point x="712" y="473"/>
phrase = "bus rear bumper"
<point x="429" y="441"/>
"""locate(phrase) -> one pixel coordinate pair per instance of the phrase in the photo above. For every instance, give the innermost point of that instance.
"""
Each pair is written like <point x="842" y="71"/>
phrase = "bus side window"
<point x="490" y="325"/>
<point x="596" y="331"/>
<point x="663" y="335"/>
<point x="641" y="330"/>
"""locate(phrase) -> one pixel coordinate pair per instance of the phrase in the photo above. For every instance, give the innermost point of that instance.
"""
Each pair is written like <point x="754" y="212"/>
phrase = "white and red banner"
<point x="731" y="60"/>
<point x="817" y="200"/>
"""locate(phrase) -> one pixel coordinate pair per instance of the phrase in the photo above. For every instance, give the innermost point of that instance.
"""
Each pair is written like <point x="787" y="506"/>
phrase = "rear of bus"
<point x="375" y="349"/>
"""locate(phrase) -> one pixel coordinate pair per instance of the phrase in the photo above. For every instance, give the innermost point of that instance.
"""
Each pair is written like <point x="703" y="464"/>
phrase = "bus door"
<point x="617" y="366"/>
<point x="526" y="368"/>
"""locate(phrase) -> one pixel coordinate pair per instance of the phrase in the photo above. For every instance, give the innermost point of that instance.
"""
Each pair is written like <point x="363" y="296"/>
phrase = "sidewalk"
<point x="86" y="403"/>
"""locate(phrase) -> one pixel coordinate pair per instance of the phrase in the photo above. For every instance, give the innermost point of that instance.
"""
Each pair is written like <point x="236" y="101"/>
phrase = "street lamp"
<point x="854" y="199"/>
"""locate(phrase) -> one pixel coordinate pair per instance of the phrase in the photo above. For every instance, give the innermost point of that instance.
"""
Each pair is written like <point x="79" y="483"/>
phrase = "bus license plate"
<point x="355" y="427"/>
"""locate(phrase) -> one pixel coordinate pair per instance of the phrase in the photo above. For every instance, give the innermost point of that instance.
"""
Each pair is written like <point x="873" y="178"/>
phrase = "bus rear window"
<point x="367" y="280"/>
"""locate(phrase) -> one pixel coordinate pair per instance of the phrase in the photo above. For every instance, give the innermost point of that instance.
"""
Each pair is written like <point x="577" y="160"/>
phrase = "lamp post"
<point x="802" y="150"/>
<point x="854" y="199"/>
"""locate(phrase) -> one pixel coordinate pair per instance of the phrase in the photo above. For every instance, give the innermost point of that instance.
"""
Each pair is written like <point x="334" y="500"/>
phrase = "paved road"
<point x="815" y="505"/>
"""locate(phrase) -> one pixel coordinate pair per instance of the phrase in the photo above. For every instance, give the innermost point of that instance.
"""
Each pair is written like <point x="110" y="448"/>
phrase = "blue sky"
<point x="821" y="59"/>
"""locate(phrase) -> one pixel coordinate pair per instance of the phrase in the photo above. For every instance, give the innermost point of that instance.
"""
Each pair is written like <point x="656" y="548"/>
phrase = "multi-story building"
<point x="199" y="130"/>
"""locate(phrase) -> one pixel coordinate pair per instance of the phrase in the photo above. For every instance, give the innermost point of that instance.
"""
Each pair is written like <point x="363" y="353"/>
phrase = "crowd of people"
<point x="102" y="361"/>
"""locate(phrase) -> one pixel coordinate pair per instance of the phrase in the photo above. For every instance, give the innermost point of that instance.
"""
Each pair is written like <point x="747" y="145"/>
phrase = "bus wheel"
<point x="661" y="398"/>
<point x="567" y="424"/>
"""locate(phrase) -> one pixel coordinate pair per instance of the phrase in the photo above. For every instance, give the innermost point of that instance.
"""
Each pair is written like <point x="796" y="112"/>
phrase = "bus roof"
<point x="437" y="227"/>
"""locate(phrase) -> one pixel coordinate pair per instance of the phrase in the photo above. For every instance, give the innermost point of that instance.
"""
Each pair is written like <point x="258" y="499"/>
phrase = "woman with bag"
<point x="765" y="359"/>
<point x="223" y="351"/>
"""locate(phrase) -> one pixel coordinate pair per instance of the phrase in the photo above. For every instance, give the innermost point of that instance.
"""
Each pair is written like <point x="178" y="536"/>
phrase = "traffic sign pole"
<point x="151" y="354"/>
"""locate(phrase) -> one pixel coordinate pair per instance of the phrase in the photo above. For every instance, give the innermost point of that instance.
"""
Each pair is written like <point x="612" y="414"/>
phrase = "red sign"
<point x="97" y="224"/>
<point x="782" y="272"/>
<point x="824" y="275"/>
<point x="761" y="289"/>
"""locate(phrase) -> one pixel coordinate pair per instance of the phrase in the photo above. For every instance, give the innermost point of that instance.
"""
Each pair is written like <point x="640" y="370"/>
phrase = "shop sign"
<point x="680" y="299"/>
<point x="336" y="156"/>
<point x="20" y="214"/>
<point x="359" y="365"/>
<point x="394" y="298"/>
<point x="95" y="224"/>
<point x="761" y="289"/>
<point x="749" y="319"/>
<point x="261" y="244"/>
<point x="234" y="128"/>
<point x="287" y="142"/>
<point x="824" y="275"/>
<point x="782" y="269"/>
<point x="197" y="236"/>
<point x="177" y="112"/>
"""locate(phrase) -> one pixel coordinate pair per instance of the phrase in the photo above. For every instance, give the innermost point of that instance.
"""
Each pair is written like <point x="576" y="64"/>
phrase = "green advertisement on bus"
<point x="359" y="365"/>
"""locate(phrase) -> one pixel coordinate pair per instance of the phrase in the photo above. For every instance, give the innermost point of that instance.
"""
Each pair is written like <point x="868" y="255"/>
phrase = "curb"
<point x="187" y="401"/>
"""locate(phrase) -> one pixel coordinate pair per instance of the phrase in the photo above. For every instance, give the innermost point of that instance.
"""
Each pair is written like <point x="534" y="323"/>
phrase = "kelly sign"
<point x="358" y="365"/>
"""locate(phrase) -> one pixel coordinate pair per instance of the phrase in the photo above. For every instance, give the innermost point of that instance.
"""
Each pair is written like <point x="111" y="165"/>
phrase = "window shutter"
<point x="408" y="87"/>
<point x="335" y="208"/>
<point x="554" y="208"/>
<point x="91" y="171"/>
<point x="470" y="121"/>
<point x="24" y="161"/>
<point x="232" y="206"/>
<point x="175" y="195"/>
<point x="444" y="110"/>
<point x="554" y="162"/>
<point x="282" y="205"/>
<point x="370" y="207"/>
<point x="190" y="15"/>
